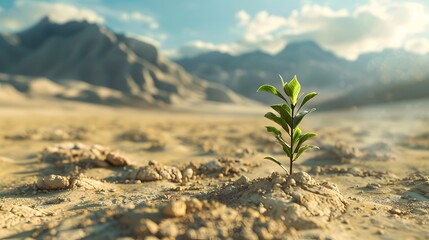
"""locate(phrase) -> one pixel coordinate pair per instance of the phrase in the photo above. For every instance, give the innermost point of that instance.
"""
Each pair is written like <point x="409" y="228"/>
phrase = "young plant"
<point x="289" y="119"/>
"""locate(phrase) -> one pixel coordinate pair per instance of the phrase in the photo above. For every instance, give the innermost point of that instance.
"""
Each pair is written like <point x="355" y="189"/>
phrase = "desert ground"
<point x="80" y="171"/>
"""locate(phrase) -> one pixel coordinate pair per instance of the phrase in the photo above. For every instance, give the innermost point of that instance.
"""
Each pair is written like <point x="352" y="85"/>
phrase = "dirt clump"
<point x="211" y="220"/>
<point x="116" y="159"/>
<point x="56" y="182"/>
<point x="155" y="172"/>
<point x="224" y="167"/>
<point x="218" y="168"/>
<point x="53" y="182"/>
<point x="83" y="155"/>
<point x="299" y="201"/>
<point x="175" y="209"/>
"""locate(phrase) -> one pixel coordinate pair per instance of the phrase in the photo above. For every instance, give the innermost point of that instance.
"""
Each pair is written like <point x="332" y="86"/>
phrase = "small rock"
<point x="303" y="178"/>
<point x="212" y="166"/>
<point x="116" y="159"/>
<point x="395" y="211"/>
<point x="53" y="182"/>
<point x="278" y="180"/>
<point x="193" y="205"/>
<point x="156" y="172"/>
<point x="187" y="173"/>
<point x="291" y="182"/>
<point x="168" y="229"/>
<point x="175" y="209"/>
<point x="147" y="227"/>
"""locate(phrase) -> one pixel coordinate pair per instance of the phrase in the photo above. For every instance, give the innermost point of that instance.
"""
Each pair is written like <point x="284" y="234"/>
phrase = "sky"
<point x="185" y="28"/>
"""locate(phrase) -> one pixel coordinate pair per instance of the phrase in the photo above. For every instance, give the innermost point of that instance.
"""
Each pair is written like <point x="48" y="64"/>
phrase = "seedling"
<point x="289" y="119"/>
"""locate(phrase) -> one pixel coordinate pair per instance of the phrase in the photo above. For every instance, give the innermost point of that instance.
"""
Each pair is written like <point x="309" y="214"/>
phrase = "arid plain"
<point x="76" y="171"/>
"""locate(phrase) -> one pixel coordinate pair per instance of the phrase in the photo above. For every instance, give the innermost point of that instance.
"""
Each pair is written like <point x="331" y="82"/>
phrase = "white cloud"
<point x="243" y="17"/>
<point x="136" y="16"/>
<point x="197" y="47"/>
<point x="374" y="26"/>
<point x="262" y="26"/>
<point x="257" y="34"/>
<point x="24" y="13"/>
<point x="417" y="45"/>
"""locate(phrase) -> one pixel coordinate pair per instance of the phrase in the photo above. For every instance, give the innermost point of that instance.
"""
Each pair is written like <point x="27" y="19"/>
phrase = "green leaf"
<point x="303" y="149"/>
<point x="298" y="118"/>
<point x="273" y="130"/>
<point x="307" y="98"/>
<point x="286" y="148"/>
<point x="293" y="90"/>
<point x="296" y="136"/>
<point x="273" y="159"/>
<point x="272" y="90"/>
<point x="304" y="138"/>
<point x="277" y="120"/>
<point x="285" y="113"/>
<point x="287" y="90"/>
<point x="283" y="109"/>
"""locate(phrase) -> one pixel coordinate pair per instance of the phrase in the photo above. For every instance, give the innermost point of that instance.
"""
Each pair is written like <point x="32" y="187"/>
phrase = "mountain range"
<point x="82" y="61"/>
<point x="317" y="69"/>
<point x="88" y="59"/>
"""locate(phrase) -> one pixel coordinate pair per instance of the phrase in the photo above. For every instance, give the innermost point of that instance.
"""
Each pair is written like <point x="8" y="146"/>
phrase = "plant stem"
<point x="291" y="140"/>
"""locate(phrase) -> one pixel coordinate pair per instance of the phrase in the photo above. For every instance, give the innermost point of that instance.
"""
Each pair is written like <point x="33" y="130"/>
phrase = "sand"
<point x="73" y="171"/>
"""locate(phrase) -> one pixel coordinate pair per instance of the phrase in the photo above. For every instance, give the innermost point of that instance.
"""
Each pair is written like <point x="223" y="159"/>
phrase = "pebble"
<point x="147" y="227"/>
<point x="187" y="173"/>
<point x="175" y="209"/>
<point x="395" y="211"/>
<point x="52" y="182"/>
<point x="169" y="230"/>
<point x="290" y="182"/>
<point x="193" y="204"/>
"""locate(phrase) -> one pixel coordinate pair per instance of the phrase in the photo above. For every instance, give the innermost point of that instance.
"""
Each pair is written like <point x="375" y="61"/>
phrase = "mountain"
<point x="314" y="66"/>
<point x="393" y="65"/>
<point x="93" y="54"/>
<point x="317" y="69"/>
<point x="383" y="93"/>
